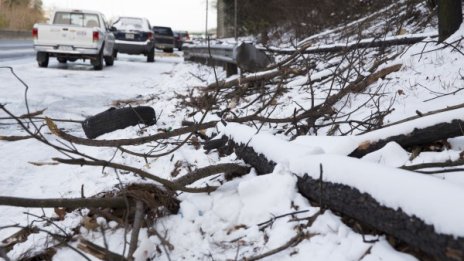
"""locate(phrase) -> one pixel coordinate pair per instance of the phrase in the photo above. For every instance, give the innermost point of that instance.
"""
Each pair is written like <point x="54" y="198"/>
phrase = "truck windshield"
<point x="77" y="19"/>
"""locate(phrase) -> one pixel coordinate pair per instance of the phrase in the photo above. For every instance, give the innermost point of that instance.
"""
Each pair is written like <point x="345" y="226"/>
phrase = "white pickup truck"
<point x="72" y="35"/>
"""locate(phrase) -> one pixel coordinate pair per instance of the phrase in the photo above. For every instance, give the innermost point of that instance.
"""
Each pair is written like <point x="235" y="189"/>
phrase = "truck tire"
<point x="115" y="119"/>
<point x="42" y="59"/>
<point x="61" y="60"/>
<point x="109" y="60"/>
<point x="115" y="54"/>
<point x="168" y="50"/>
<point x="97" y="62"/>
<point x="151" y="55"/>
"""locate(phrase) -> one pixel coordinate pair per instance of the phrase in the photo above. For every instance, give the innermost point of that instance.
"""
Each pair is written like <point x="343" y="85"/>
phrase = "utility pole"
<point x="449" y="18"/>
<point x="206" y="23"/>
<point x="235" y="21"/>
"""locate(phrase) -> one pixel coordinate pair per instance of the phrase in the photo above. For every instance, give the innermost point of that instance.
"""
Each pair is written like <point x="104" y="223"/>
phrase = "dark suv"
<point x="134" y="36"/>
<point x="164" y="38"/>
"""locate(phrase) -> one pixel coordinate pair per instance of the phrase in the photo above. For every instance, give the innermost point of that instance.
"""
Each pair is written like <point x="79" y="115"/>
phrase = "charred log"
<point x="258" y="161"/>
<point x="350" y="202"/>
<point x="361" y="206"/>
<point x="417" y="137"/>
<point x="115" y="119"/>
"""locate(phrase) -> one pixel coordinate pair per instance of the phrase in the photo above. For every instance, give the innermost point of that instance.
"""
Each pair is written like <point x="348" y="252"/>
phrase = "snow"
<point x="392" y="155"/>
<point x="227" y="223"/>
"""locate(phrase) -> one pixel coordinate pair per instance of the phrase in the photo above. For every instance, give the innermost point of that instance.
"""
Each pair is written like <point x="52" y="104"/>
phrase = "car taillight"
<point x="35" y="33"/>
<point x="96" y="36"/>
<point x="150" y="36"/>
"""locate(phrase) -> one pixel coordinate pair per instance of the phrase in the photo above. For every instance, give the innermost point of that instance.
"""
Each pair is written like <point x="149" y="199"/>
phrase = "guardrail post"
<point x="231" y="69"/>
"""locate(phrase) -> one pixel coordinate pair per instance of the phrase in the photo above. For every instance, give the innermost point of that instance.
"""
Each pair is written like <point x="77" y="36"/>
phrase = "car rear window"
<point x="163" y="31"/>
<point x="130" y="23"/>
<point x="77" y="19"/>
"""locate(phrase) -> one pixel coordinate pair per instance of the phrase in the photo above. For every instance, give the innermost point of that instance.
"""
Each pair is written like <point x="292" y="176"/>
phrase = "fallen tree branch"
<point x="417" y="137"/>
<point x="435" y="165"/>
<point x="14" y="138"/>
<point x="126" y="142"/>
<point x="117" y="202"/>
<point x="212" y="170"/>
<point x="420" y="114"/>
<point x="261" y="76"/>
<point x="365" y="43"/>
<point x="98" y="251"/>
<point x="166" y="183"/>
<point x="32" y="114"/>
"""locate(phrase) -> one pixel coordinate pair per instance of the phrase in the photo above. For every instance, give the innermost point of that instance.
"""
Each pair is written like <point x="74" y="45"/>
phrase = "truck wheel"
<point x="151" y="55"/>
<point x="42" y="59"/>
<point x="115" y="54"/>
<point x="97" y="62"/>
<point x="61" y="60"/>
<point x="168" y="50"/>
<point x="109" y="60"/>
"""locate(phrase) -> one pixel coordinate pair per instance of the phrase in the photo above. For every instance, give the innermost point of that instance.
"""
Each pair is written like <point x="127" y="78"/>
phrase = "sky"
<point x="178" y="14"/>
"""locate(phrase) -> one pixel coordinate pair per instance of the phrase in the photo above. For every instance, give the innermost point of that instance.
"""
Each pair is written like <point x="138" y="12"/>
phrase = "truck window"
<point x="77" y="19"/>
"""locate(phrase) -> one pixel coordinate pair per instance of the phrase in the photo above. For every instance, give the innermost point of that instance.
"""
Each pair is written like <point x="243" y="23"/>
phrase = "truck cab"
<point x="72" y="35"/>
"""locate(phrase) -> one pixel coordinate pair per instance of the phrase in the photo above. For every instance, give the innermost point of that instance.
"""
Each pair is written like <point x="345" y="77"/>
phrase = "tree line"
<point x="20" y="14"/>
<point x="300" y="18"/>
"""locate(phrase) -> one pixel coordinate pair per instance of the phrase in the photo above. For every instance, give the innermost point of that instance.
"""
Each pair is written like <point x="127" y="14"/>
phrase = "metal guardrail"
<point x="245" y="56"/>
<point x="223" y="53"/>
<point x="215" y="54"/>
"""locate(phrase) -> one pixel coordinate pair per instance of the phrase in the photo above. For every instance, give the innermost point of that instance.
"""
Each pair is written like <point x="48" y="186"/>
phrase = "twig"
<point x="139" y="211"/>
<point x="211" y="170"/>
<point x="300" y="236"/>
<point x="435" y="165"/>
<point x="273" y="219"/>
<point x="63" y="202"/>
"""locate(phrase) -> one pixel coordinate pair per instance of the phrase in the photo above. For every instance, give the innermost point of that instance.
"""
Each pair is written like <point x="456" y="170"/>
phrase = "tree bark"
<point x="449" y="17"/>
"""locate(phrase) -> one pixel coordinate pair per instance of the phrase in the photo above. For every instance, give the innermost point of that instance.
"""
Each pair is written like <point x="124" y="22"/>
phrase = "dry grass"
<point x="19" y="17"/>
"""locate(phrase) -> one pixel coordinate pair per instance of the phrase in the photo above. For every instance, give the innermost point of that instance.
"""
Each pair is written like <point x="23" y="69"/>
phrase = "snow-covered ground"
<point x="228" y="223"/>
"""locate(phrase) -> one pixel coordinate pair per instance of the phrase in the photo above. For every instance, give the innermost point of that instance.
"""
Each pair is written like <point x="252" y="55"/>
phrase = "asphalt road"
<point x="16" y="49"/>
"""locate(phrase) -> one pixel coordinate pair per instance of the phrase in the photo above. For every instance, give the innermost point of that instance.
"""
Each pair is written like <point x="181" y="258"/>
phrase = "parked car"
<point x="134" y="36"/>
<point x="72" y="35"/>
<point x="177" y="41"/>
<point x="181" y="38"/>
<point x="164" y="38"/>
<point x="185" y="36"/>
